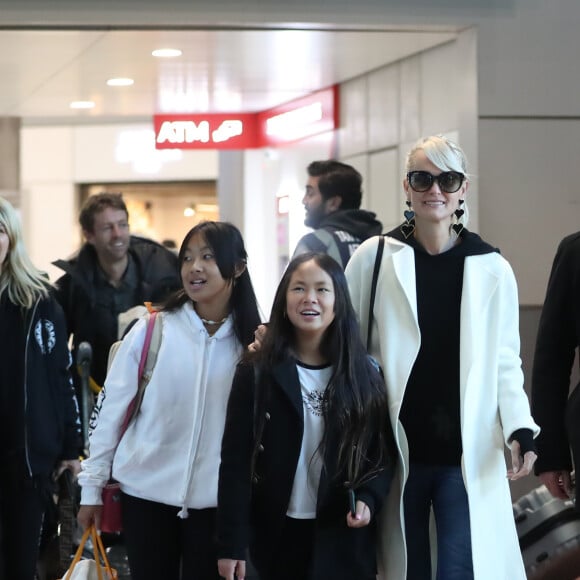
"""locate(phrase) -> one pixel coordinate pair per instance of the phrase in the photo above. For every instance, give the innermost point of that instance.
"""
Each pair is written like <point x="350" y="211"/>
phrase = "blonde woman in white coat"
<point x="445" y="330"/>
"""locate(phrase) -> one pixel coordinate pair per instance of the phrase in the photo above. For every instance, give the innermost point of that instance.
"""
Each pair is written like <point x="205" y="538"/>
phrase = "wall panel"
<point x="384" y="192"/>
<point x="383" y="108"/>
<point x="530" y="194"/>
<point x="353" y="133"/>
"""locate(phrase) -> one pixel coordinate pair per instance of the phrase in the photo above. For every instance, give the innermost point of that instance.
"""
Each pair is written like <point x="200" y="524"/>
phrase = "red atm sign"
<point x="233" y="131"/>
<point x="304" y="117"/>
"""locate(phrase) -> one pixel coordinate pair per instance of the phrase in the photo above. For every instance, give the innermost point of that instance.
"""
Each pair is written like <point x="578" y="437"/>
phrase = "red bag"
<point x="111" y="518"/>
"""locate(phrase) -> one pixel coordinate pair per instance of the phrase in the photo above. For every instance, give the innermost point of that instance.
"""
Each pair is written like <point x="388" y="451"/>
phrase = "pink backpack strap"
<point x="140" y="385"/>
<point x="147" y="343"/>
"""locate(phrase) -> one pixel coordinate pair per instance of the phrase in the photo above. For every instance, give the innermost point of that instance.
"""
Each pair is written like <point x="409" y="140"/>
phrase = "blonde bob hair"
<point x="23" y="282"/>
<point x="445" y="155"/>
<point x="442" y="152"/>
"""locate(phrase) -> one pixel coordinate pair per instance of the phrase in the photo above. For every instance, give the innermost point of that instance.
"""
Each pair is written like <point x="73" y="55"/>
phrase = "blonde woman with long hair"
<point x="39" y="425"/>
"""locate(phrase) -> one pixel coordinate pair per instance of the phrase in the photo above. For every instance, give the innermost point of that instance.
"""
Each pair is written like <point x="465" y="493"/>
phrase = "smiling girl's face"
<point x="310" y="300"/>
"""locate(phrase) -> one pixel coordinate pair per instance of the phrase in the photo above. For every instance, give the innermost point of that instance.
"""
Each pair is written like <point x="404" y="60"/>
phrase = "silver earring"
<point x="408" y="227"/>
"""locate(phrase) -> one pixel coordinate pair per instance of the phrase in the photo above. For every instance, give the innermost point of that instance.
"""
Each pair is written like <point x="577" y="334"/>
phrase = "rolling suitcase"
<point x="549" y="535"/>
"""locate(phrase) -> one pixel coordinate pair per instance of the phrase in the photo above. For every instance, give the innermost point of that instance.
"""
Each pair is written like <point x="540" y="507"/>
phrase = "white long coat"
<point x="492" y="399"/>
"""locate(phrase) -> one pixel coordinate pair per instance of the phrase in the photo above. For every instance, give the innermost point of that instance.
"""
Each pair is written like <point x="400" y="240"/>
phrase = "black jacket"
<point x="557" y="340"/>
<point x="340" y="233"/>
<point x="251" y="511"/>
<point x="51" y="419"/>
<point x="158" y="276"/>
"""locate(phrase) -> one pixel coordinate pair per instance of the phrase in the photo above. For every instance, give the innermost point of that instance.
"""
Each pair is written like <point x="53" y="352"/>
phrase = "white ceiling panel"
<point x="218" y="71"/>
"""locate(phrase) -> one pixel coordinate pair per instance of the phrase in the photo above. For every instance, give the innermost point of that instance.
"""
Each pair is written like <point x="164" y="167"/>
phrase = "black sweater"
<point x="430" y="411"/>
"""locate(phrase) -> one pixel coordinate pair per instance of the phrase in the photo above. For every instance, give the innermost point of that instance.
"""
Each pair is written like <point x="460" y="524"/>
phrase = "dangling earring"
<point x="458" y="225"/>
<point x="408" y="227"/>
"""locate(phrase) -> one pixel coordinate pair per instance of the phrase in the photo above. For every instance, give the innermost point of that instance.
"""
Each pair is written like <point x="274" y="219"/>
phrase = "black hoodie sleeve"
<point x="70" y="412"/>
<point x="556" y="344"/>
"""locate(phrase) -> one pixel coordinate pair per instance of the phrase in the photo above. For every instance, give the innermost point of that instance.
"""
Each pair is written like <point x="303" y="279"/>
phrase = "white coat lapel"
<point x="400" y="338"/>
<point x="480" y="282"/>
<point x="404" y="267"/>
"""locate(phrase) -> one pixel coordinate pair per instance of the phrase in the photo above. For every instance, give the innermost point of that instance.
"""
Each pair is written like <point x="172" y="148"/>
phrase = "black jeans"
<point x="293" y="557"/>
<point x="161" y="545"/>
<point x="22" y="507"/>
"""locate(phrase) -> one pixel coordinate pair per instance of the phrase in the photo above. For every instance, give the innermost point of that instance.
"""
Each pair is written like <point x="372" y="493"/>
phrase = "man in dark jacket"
<point x="112" y="272"/>
<point x="558" y="340"/>
<point x="332" y="201"/>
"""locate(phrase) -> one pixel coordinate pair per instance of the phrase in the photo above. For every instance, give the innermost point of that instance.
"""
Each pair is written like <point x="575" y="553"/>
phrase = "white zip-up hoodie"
<point x="171" y="452"/>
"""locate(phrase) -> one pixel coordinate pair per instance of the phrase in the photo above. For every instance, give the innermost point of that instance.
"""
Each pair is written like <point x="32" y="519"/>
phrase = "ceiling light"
<point x="82" y="105"/>
<point x="206" y="207"/>
<point x="167" y="52"/>
<point x="189" y="211"/>
<point x="120" y="82"/>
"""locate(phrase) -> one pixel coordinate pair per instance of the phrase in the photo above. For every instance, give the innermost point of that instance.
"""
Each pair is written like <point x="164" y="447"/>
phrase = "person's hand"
<point x="361" y="518"/>
<point x="520" y="469"/>
<point x="559" y="483"/>
<point x="259" y="335"/>
<point x="73" y="465"/>
<point x="90" y="514"/>
<point x="232" y="569"/>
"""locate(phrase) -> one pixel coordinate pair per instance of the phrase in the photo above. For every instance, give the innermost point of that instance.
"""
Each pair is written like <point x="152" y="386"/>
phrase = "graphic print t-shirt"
<point x="313" y="383"/>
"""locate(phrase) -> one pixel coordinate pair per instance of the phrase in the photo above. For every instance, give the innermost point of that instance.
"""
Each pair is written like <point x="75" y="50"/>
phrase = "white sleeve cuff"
<point x="91" y="495"/>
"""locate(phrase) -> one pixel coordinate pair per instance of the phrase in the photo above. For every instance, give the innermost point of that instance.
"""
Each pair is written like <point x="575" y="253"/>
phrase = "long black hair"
<point x="227" y="245"/>
<point x="356" y="399"/>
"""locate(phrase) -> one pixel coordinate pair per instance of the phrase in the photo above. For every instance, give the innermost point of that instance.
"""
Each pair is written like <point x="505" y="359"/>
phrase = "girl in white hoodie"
<point x="167" y="461"/>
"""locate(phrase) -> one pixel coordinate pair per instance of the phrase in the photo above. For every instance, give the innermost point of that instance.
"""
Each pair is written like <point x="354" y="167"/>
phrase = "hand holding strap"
<point x="101" y="560"/>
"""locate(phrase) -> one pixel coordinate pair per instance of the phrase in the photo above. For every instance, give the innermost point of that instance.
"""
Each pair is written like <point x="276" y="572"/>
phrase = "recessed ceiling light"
<point x="82" y="105"/>
<point x="120" y="82"/>
<point x="189" y="211"/>
<point x="167" y="52"/>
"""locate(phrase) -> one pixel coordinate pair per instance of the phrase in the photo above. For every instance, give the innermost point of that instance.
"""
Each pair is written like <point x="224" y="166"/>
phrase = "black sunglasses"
<point x="449" y="181"/>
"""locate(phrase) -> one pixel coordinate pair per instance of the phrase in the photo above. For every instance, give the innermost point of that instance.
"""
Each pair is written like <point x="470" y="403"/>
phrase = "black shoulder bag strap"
<point x="376" y="269"/>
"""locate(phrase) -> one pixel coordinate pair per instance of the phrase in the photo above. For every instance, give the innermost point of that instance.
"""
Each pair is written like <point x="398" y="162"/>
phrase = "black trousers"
<point x="293" y="556"/>
<point x="22" y="508"/>
<point x="162" y="546"/>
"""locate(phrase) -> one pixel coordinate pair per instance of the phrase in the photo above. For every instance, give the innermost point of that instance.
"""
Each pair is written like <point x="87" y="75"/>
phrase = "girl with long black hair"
<point x="307" y="428"/>
<point x="168" y="458"/>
